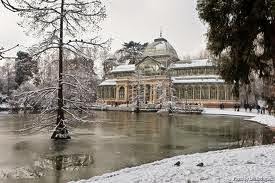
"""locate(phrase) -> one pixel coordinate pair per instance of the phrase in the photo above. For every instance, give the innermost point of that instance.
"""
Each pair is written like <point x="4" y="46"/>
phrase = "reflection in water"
<point x="117" y="140"/>
<point x="52" y="164"/>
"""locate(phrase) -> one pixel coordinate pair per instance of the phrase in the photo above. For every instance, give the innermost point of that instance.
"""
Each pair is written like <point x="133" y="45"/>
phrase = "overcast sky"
<point x="137" y="20"/>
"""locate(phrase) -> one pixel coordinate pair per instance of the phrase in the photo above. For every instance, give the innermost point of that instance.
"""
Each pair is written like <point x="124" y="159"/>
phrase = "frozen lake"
<point x="117" y="140"/>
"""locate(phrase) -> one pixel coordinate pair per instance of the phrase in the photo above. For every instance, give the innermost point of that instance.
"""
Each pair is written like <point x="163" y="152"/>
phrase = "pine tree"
<point x="241" y="35"/>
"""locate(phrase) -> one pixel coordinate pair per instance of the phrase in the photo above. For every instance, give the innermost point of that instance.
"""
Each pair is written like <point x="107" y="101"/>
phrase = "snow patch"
<point x="183" y="81"/>
<point x="108" y="82"/>
<point x="124" y="68"/>
<point x="193" y="63"/>
<point x="265" y="120"/>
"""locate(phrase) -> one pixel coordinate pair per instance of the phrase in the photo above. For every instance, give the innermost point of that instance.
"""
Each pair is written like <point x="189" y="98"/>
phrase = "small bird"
<point x="177" y="164"/>
<point x="200" y="164"/>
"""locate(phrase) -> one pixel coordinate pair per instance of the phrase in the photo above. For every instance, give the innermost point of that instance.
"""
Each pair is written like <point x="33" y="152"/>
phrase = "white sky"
<point x="137" y="20"/>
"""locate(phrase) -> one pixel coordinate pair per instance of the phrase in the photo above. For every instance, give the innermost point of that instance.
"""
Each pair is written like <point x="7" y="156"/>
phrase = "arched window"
<point x="221" y="93"/>
<point x="177" y="92"/>
<point x="183" y="91"/>
<point x="201" y="71"/>
<point x="104" y="92"/>
<point x="204" y="92"/>
<point x="190" y="92"/>
<point x="213" y="92"/>
<point x="197" y="92"/>
<point x="121" y="93"/>
<point x="112" y="92"/>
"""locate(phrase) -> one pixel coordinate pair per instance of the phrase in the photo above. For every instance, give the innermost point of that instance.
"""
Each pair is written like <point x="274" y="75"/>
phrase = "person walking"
<point x="245" y="107"/>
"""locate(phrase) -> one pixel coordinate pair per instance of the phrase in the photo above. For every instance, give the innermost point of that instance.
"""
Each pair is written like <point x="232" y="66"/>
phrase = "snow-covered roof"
<point x="108" y="82"/>
<point x="124" y="68"/>
<point x="182" y="80"/>
<point x="198" y="77"/>
<point x="193" y="63"/>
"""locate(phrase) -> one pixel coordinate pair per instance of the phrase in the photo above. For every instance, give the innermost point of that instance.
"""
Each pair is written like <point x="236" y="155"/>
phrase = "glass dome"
<point x="160" y="47"/>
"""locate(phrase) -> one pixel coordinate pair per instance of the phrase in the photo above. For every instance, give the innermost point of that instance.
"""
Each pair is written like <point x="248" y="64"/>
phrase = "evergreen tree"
<point x="131" y="51"/>
<point x="241" y="36"/>
<point x="25" y="67"/>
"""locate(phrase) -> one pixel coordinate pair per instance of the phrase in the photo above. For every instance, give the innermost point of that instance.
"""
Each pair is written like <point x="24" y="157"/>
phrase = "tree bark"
<point x="273" y="58"/>
<point x="60" y="131"/>
<point x="60" y="111"/>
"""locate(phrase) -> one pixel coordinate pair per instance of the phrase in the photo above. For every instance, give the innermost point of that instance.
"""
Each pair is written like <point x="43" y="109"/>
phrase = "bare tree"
<point x="3" y="51"/>
<point x="53" y="21"/>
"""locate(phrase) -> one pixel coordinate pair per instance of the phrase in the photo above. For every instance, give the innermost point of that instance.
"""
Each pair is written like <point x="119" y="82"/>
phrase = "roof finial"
<point x="160" y="33"/>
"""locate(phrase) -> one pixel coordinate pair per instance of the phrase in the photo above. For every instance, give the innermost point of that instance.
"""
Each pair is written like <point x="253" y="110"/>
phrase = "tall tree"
<point x="131" y="51"/>
<point x="53" y="21"/>
<point x="241" y="35"/>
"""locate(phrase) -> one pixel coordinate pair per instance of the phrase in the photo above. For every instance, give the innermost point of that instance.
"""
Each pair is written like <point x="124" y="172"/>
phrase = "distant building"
<point x="161" y="76"/>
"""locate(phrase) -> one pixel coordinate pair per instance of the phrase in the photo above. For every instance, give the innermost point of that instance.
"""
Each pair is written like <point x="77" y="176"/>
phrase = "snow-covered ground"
<point x="252" y="164"/>
<point x="264" y="119"/>
<point x="229" y="111"/>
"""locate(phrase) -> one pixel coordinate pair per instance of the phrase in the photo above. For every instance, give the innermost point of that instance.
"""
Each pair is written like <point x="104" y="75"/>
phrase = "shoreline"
<point x="264" y="119"/>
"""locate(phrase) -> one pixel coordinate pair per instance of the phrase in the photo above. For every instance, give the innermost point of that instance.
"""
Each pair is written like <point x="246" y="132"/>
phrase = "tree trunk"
<point x="273" y="51"/>
<point x="60" y="131"/>
<point x="273" y="58"/>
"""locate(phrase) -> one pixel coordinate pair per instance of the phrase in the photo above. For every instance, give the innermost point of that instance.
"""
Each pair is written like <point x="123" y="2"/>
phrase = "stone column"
<point x="132" y="93"/>
<point x="126" y="92"/>
<point x="154" y="93"/>
<point x="144" y="93"/>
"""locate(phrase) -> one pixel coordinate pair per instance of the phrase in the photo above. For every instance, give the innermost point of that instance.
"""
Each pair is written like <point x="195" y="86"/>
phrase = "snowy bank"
<point x="231" y="112"/>
<point x="264" y="119"/>
<point x="238" y="165"/>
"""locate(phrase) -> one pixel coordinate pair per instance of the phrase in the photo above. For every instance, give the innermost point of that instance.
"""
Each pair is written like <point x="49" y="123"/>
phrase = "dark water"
<point x="116" y="140"/>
